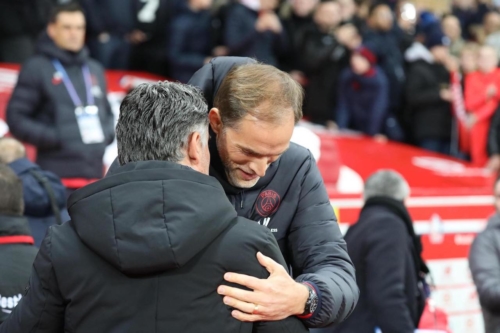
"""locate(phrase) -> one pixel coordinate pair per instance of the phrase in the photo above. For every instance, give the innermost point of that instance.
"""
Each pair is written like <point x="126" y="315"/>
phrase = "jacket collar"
<point x="14" y="230"/>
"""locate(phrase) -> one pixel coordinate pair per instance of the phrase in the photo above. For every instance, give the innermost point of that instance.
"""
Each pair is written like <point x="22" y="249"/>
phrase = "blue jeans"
<point x="436" y="145"/>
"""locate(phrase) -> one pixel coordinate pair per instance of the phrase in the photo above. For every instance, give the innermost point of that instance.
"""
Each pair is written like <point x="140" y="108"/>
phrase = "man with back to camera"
<point x="254" y="108"/>
<point x="148" y="245"/>
<point x="59" y="104"/>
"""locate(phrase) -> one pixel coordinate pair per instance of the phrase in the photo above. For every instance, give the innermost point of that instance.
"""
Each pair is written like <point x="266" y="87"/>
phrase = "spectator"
<point x="468" y="59"/>
<point x="17" y="252"/>
<point x="295" y="21"/>
<point x="190" y="42"/>
<point x="255" y="108"/>
<point x="60" y="105"/>
<point x="188" y="236"/>
<point x="20" y="23"/>
<point x="323" y="57"/>
<point x="386" y="40"/>
<point x="110" y="26"/>
<point x="429" y="97"/>
<point x="43" y="193"/>
<point x="348" y="10"/>
<point x="254" y="30"/>
<point x="492" y="30"/>
<point x="470" y="14"/>
<point x="484" y="263"/>
<point x="363" y="95"/>
<point x="386" y="254"/>
<point x="481" y="101"/>
<point x="451" y="28"/>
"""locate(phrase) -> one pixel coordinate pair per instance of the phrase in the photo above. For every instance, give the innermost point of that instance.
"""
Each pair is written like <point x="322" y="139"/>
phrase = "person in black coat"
<point x="429" y="97"/>
<point x="45" y="108"/>
<point x="254" y="30"/>
<point x="386" y="254"/>
<point x="363" y="95"/>
<point x="148" y="245"/>
<point x="43" y="193"/>
<point x="323" y="58"/>
<point x="17" y="252"/>
<point x="190" y="42"/>
<point x="279" y="187"/>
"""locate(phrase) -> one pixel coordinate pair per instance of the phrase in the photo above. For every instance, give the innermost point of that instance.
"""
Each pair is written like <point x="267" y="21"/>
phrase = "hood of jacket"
<point x="11" y="225"/>
<point x="46" y="46"/>
<point x="417" y="51"/>
<point x="150" y="217"/>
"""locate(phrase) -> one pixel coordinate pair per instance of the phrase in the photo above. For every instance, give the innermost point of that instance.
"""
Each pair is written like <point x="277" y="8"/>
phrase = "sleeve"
<point x="235" y="36"/>
<point x="319" y="253"/>
<point x="494" y="134"/>
<point x="342" y="114"/>
<point x="418" y="92"/>
<point x="380" y="105"/>
<point x="23" y="105"/>
<point x="485" y="267"/>
<point x="41" y="310"/>
<point x="385" y="267"/>
<point x="487" y="110"/>
<point x="281" y="41"/>
<point x="475" y="94"/>
<point x="177" y="55"/>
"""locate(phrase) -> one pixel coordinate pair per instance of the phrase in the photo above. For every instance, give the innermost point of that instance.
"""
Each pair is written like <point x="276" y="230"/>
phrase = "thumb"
<point x="270" y="265"/>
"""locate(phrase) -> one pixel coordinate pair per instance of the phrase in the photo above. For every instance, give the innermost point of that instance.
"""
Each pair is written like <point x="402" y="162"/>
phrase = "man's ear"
<point x="193" y="151"/>
<point x="215" y="120"/>
<point x="50" y="30"/>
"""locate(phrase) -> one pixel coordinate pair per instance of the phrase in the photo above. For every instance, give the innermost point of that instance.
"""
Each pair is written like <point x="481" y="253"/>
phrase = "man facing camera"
<point x="149" y="244"/>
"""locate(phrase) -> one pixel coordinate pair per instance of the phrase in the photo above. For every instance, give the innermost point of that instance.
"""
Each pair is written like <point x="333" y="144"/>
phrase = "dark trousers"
<point x="436" y="145"/>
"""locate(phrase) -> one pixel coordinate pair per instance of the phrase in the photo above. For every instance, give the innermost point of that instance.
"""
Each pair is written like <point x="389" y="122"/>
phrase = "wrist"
<point x="302" y="293"/>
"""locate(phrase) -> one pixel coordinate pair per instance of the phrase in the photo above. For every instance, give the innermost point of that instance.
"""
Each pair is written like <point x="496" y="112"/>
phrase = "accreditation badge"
<point x="89" y="124"/>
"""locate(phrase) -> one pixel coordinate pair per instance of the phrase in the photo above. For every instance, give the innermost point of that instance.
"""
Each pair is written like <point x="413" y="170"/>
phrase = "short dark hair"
<point x="156" y="120"/>
<point x="70" y="7"/>
<point x="373" y="7"/>
<point x="11" y="192"/>
<point x="247" y="86"/>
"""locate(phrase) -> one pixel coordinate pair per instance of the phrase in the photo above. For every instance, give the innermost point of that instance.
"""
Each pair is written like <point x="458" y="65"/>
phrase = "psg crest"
<point x="267" y="203"/>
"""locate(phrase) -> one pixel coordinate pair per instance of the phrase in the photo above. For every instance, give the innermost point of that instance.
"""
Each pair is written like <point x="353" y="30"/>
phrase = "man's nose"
<point x="259" y="167"/>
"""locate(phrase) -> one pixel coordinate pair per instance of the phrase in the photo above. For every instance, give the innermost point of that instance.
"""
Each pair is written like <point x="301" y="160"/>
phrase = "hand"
<point x="332" y="126"/>
<point x="274" y="23"/>
<point x="471" y="121"/>
<point x="207" y="60"/>
<point x="446" y="95"/>
<point x="220" y="51"/>
<point x="299" y="77"/>
<point x="274" y="298"/>
<point x="137" y="37"/>
<point x="491" y="91"/>
<point x="380" y="138"/>
<point x="494" y="163"/>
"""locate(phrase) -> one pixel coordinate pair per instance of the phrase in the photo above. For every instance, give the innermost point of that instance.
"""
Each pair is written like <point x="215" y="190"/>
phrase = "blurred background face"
<point x="440" y="53"/>
<point x="359" y="64"/>
<point x="68" y="31"/>
<point x="487" y="59"/>
<point x="382" y="18"/>
<point x="468" y="61"/>
<point x="348" y="9"/>
<point x="464" y="4"/>
<point x="268" y="4"/>
<point x="327" y="15"/>
<point x="451" y="28"/>
<point x="497" y="196"/>
<point x="200" y="4"/>
<point x="303" y="8"/>
<point x="491" y="23"/>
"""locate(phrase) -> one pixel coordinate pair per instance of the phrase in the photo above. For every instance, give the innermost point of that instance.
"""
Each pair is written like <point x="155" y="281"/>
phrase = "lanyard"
<point x="71" y="88"/>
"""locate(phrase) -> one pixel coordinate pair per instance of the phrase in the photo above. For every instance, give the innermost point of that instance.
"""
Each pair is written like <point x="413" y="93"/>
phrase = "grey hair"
<point x="157" y="119"/>
<point x="11" y="150"/>
<point x="386" y="183"/>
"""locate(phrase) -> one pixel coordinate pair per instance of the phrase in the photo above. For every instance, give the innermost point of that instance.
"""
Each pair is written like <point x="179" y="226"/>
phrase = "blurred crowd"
<point x="391" y="69"/>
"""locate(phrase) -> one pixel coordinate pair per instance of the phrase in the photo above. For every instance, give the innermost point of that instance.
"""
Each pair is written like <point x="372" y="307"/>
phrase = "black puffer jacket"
<point x="41" y="112"/>
<point x="16" y="258"/>
<point x="292" y="201"/>
<point x="145" y="251"/>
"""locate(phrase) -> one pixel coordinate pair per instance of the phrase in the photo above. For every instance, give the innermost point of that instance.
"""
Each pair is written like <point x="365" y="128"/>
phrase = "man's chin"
<point x="240" y="183"/>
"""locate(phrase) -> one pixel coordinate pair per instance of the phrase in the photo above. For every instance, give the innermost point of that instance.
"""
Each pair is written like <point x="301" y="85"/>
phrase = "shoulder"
<point x="297" y="155"/>
<point x="35" y="65"/>
<point x="247" y="234"/>
<point x="381" y="220"/>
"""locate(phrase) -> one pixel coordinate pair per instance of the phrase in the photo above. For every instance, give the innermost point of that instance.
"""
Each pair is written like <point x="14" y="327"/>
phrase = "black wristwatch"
<point x="312" y="301"/>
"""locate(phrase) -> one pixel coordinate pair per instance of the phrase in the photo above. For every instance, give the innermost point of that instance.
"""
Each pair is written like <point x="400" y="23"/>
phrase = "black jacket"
<point x="431" y="116"/>
<point x="386" y="259"/>
<point x="16" y="258"/>
<point x="301" y="217"/>
<point x="145" y="251"/>
<point x="38" y="205"/>
<point x="323" y="58"/>
<point x="484" y="264"/>
<point x="41" y="112"/>
<point x="494" y="134"/>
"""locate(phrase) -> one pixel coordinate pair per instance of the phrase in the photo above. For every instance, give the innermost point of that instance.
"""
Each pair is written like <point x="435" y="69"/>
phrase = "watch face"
<point x="314" y="305"/>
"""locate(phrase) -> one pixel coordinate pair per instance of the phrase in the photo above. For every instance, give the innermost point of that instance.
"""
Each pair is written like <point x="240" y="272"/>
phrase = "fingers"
<point x="239" y="294"/>
<point x="246" y="317"/>
<point x="271" y="265"/>
<point x="247" y="308"/>
<point x="244" y="280"/>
